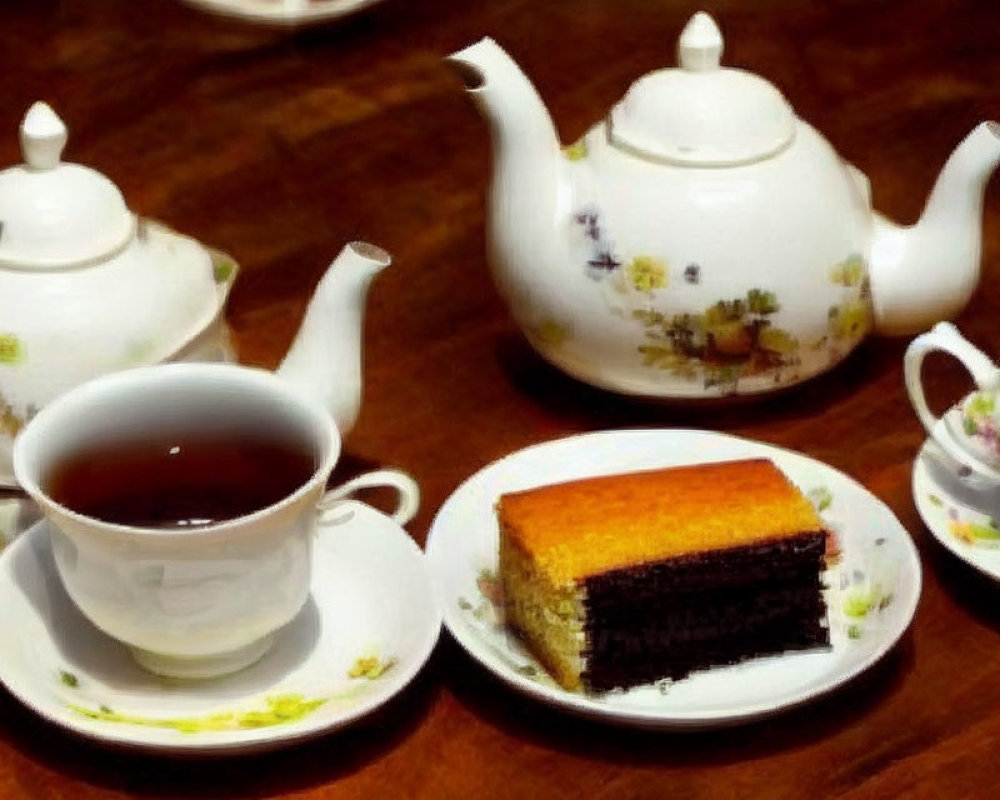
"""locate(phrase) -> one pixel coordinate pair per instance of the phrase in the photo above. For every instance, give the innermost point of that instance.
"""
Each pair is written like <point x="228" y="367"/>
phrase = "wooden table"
<point x="279" y="146"/>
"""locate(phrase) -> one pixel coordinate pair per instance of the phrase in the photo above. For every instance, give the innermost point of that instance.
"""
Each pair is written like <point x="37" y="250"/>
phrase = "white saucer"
<point x="369" y="626"/>
<point x="963" y="530"/>
<point x="282" y="12"/>
<point x="879" y="563"/>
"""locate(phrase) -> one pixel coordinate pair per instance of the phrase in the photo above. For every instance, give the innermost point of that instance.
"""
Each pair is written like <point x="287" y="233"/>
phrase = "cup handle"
<point x="407" y="503"/>
<point x="945" y="337"/>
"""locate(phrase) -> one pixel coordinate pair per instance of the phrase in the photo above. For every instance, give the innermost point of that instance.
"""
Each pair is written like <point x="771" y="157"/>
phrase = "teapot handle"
<point x="945" y="337"/>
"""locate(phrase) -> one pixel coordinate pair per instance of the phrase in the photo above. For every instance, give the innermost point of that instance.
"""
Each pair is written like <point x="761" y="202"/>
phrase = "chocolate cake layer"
<point x="668" y="618"/>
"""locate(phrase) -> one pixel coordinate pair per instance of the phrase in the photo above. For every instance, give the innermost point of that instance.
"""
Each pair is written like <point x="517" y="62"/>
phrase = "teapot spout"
<point x="519" y="121"/>
<point x="527" y="190"/>
<point x="927" y="273"/>
<point x="325" y="359"/>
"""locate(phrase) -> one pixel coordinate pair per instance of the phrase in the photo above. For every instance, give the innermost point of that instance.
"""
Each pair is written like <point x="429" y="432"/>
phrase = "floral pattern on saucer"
<point x="279" y="709"/>
<point x="369" y="625"/>
<point x="968" y="527"/>
<point x="968" y="534"/>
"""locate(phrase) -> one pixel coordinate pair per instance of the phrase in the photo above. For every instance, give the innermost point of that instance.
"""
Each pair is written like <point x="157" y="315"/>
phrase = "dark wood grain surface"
<point x="279" y="146"/>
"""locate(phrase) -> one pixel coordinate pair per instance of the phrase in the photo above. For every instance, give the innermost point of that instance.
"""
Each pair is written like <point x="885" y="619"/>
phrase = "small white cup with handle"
<point x="204" y="600"/>
<point x="968" y="433"/>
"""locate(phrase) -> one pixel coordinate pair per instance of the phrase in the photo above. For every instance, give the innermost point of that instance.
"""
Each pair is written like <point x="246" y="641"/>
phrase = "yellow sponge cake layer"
<point x="585" y="527"/>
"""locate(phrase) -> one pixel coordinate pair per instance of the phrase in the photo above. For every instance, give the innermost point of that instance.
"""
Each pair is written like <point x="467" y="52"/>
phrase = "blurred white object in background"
<point x="282" y="12"/>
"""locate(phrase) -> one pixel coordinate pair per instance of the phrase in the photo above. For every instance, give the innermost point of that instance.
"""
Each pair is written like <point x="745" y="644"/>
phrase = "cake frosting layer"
<point x="592" y="525"/>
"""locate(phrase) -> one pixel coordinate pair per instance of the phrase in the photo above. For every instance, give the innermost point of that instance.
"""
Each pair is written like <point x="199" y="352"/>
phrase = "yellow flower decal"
<point x="10" y="423"/>
<point x="850" y="319"/>
<point x="777" y="340"/>
<point x="550" y="332"/>
<point x="647" y="273"/>
<point x="576" y="151"/>
<point x="223" y="267"/>
<point x="11" y="349"/>
<point x="370" y="667"/>
<point x="849" y="272"/>
<point x="974" y="532"/>
<point x="278" y="710"/>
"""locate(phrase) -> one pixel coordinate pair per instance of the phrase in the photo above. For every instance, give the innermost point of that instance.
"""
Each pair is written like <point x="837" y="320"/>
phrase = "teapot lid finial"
<point x="702" y="114"/>
<point x="54" y="214"/>
<point x="43" y="137"/>
<point x="700" y="45"/>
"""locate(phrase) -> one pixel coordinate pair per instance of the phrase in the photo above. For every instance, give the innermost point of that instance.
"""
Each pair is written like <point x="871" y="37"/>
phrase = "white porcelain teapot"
<point x="87" y="288"/>
<point x="701" y="240"/>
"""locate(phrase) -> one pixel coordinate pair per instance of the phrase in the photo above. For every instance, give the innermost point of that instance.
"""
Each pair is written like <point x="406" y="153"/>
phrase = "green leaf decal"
<point x="11" y="349"/>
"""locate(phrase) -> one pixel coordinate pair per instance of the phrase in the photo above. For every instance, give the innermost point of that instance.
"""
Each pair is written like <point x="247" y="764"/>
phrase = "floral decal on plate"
<point x="863" y="593"/>
<point x="861" y="582"/>
<point x="276" y="709"/>
<point x="486" y="612"/>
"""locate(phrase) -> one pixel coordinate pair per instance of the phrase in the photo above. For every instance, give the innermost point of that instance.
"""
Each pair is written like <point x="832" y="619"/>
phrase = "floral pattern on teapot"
<point x="729" y="340"/>
<point x="14" y="352"/>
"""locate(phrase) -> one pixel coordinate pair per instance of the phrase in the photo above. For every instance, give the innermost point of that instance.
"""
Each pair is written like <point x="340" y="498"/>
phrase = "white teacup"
<point x="969" y="431"/>
<point x="204" y="601"/>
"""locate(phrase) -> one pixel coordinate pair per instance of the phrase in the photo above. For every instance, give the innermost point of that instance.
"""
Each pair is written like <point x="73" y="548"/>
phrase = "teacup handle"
<point x="407" y="503"/>
<point x="945" y="337"/>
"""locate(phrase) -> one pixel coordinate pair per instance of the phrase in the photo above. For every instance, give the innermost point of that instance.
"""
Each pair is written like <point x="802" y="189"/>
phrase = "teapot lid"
<point x="54" y="214"/>
<point x="702" y="114"/>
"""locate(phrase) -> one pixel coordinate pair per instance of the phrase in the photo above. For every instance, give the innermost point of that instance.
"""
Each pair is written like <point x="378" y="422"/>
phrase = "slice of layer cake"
<point x="625" y="579"/>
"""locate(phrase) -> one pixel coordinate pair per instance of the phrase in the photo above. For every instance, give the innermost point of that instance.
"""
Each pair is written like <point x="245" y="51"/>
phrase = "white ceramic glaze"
<point x="965" y="529"/>
<point x="967" y="433"/>
<point x="291" y="13"/>
<point x="701" y="240"/>
<point x="878" y="566"/>
<point x="198" y="602"/>
<point x="369" y="625"/>
<point x="87" y="289"/>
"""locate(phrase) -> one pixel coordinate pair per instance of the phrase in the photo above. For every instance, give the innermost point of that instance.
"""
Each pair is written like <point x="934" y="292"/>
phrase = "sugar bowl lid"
<point x="54" y="214"/>
<point x="702" y="114"/>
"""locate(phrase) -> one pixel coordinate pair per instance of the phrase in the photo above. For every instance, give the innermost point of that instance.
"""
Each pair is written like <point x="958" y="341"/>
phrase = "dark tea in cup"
<point x="181" y="479"/>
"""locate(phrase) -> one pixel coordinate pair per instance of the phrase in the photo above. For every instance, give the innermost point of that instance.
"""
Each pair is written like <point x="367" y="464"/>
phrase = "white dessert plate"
<point x="872" y="596"/>
<point x="370" y="624"/>
<point x="971" y="535"/>
<point x="282" y="12"/>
